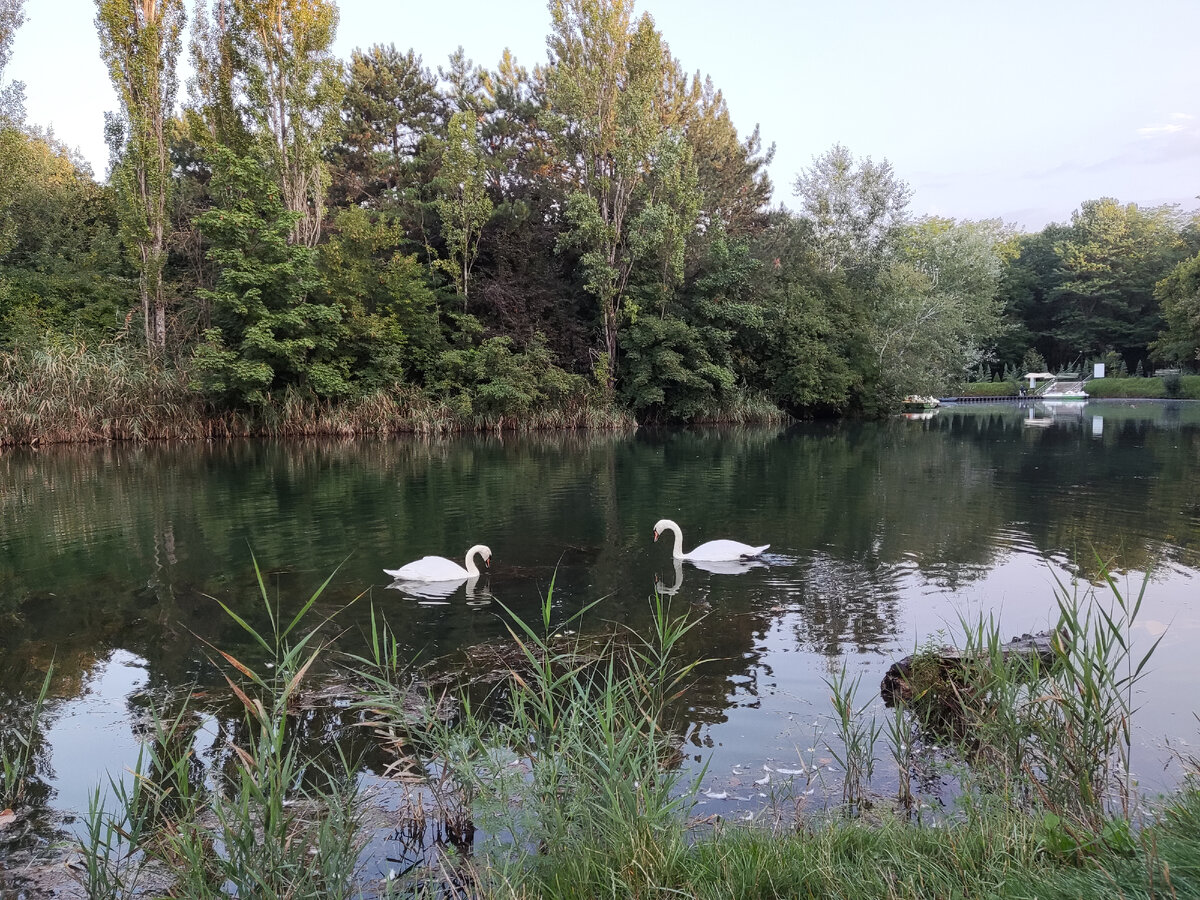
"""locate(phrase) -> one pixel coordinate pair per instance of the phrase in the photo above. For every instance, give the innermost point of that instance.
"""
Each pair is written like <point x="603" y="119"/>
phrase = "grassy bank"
<point x="1155" y="388"/>
<point x="1145" y="388"/>
<point x="566" y="780"/>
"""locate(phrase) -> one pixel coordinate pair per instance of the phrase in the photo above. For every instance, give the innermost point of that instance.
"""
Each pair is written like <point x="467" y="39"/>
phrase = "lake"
<point x="882" y="534"/>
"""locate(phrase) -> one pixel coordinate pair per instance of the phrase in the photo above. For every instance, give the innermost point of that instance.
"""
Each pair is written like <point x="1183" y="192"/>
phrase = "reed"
<point x="266" y="824"/>
<point x="18" y="748"/>
<point x="857" y="736"/>
<point x="64" y="391"/>
<point x="575" y="758"/>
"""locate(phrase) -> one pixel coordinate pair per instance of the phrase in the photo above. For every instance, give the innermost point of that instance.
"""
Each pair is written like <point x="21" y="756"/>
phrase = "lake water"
<point x="882" y="534"/>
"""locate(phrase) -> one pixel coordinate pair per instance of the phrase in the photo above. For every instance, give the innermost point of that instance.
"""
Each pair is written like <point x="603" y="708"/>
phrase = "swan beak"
<point x="487" y="563"/>
<point x="656" y="534"/>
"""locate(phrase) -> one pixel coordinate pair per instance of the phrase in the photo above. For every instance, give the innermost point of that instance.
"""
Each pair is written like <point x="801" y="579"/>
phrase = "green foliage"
<point x="270" y="330"/>
<point x="854" y="208"/>
<point x="1179" y="293"/>
<point x="390" y="108"/>
<point x="1033" y="361"/>
<point x="269" y="823"/>
<point x="140" y="44"/>
<point x="1111" y="259"/>
<point x="19" y="743"/>
<point x="392" y="329"/>
<point x="1172" y="384"/>
<point x="1149" y="388"/>
<point x="61" y="264"/>
<point x="673" y="370"/>
<point x="12" y="95"/>
<point x="492" y="382"/>
<point x="292" y="93"/>
<point x="462" y="202"/>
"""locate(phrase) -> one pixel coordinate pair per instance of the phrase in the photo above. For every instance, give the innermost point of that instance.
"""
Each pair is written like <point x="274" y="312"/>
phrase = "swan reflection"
<point x="715" y="566"/>
<point x="438" y="592"/>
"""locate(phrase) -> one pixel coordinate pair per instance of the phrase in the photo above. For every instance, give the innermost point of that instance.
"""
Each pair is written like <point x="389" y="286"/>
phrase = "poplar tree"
<point x="293" y="93"/>
<point x="140" y="42"/>
<point x="604" y="85"/>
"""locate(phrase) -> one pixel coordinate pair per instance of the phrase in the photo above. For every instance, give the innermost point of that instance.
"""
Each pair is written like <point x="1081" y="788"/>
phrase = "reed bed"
<point x="64" y="391"/>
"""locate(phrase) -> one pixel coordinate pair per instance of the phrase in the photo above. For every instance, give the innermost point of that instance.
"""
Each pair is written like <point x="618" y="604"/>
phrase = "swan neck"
<point x="678" y="532"/>
<point x="472" y="569"/>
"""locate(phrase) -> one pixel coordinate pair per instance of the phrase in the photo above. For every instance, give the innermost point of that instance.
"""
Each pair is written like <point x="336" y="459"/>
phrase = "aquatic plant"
<point x="267" y="823"/>
<point x="18" y="746"/>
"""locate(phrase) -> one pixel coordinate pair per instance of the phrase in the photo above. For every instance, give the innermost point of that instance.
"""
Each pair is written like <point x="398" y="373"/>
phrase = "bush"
<point x="1172" y="384"/>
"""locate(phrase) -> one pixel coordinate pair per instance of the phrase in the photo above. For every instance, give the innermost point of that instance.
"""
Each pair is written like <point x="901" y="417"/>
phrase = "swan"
<point x="438" y="568"/>
<point x="713" y="550"/>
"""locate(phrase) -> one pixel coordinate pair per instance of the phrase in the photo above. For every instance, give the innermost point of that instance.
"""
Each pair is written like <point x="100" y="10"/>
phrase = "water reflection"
<point x="441" y="591"/>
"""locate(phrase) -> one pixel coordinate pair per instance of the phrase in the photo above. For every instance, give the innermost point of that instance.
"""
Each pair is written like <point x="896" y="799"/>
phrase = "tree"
<point x="12" y="96"/>
<point x="61" y="263"/>
<point x="140" y="43"/>
<point x="390" y="311"/>
<point x="214" y="117"/>
<point x="935" y="307"/>
<point x="270" y="332"/>
<point x="1111" y="260"/>
<point x="854" y="208"/>
<point x="603" y="85"/>
<point x="1179" y="294"/>
<point x="292" y="91"/>
<point x="390" y="107"/>
<point x="462" y="202"/>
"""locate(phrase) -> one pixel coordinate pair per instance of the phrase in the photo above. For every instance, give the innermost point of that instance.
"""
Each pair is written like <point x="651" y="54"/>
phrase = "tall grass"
<point x="572" y="776"/>
<point x="564" y="780"/>
<point x="268" y="824"/>
<point x="59" y="390"/>
<point x="1049" y="736"/>
<point x="18" y="746"/>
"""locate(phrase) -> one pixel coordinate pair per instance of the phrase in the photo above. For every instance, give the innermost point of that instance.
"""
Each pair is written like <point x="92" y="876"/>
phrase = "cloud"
<point x="1151" y="130"/>
<point x="1183" y="116"/>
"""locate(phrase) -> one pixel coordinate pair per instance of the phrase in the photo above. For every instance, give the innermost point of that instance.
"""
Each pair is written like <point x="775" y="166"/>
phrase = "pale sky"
<point x="1019" y="110"/>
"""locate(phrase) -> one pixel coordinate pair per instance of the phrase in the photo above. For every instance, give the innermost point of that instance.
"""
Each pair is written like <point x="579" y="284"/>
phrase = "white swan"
<point x="438" y="568"/>
<point x="713" y="550"/>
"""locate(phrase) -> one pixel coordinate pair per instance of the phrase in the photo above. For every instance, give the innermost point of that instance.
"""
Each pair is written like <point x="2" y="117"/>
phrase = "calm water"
<point x="881" y="534"/>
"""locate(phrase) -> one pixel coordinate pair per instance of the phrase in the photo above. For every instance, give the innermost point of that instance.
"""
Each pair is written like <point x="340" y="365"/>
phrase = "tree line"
<point x="592" y="229"/>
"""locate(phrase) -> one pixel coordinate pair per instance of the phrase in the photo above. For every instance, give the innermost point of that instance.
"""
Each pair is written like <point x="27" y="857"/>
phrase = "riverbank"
<point x="1133" y="388"/>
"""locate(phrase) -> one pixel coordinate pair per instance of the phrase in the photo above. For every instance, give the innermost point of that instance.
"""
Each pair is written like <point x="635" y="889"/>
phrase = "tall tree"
<point x="293" y="92"/>
<point x="935" y="308"/>
<point x="463" y="203"/>
<point x="1111" y="260"/>
<point x="140" y="42"/>
<point x="604" y="85"/>
<point x="213" y="116"/>
<point x="390" y="108"/>
<point x="1179" y="293"/>
<point x="854" y="207"/>
<point x="12" y="96"/>
<point x="270" y="332"/>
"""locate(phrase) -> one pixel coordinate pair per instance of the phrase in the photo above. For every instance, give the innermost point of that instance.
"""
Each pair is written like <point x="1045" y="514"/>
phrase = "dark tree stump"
<point x="952" y="661"/>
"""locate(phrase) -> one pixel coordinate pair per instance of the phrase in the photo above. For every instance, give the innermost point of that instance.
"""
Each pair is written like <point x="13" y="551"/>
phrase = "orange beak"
<point x="487" y="563"/>
<point x="656" y="534"/>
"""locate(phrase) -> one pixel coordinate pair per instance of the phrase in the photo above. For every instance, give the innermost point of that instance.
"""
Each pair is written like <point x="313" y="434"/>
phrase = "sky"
<point x="1018" y="110"/>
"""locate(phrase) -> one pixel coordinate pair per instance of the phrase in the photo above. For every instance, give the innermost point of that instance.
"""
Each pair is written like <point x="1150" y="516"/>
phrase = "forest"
<point x="293" y="242"/>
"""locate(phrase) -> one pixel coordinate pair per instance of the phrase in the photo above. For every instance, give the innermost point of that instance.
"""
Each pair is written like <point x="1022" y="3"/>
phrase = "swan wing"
<point x="720" y="550"/>
<point x="429" y="568"/>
